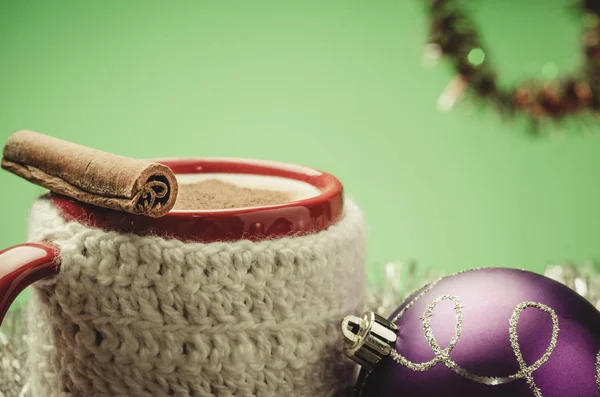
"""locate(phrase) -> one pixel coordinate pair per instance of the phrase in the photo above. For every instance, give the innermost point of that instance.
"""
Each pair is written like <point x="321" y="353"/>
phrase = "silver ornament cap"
<point x="369" y="339"/>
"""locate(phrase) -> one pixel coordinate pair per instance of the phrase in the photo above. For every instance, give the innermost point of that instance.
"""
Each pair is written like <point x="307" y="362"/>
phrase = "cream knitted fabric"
<point x="144" y="316"/>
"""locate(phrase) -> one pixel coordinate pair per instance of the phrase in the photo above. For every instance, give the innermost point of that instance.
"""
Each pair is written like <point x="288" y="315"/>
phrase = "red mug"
<point x="24" y="264"/>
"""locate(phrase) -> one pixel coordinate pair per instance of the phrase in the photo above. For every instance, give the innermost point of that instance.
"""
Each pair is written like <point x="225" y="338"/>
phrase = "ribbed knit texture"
<point x="144" y="316"/>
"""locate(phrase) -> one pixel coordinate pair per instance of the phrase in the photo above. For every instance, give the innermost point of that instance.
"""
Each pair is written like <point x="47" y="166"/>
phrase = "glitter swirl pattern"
<point x="598" y="370"/>
<point x="442" y="355"/>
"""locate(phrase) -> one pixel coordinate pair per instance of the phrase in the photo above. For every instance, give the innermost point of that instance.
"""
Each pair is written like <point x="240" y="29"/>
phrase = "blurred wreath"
<point x="454" y="36"/>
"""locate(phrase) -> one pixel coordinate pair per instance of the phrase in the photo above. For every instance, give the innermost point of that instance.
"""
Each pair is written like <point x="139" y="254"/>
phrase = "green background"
<point x="338" y="86"/>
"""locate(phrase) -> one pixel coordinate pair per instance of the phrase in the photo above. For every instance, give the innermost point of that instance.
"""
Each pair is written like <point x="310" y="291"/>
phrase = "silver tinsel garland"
<point x="584" y="278"/>
<point x="398" y="281"/>
<point x="401" y="280"/>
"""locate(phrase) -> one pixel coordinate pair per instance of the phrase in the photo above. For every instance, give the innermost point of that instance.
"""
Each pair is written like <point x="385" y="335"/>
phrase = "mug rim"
<point x="304" y="216"/>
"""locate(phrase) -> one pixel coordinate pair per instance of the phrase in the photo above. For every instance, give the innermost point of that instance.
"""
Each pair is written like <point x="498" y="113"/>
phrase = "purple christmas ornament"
<point x="489" y="332"/>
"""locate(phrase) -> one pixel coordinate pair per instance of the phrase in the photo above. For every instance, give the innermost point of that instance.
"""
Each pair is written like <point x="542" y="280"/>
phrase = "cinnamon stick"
<point x="90" y="175"/>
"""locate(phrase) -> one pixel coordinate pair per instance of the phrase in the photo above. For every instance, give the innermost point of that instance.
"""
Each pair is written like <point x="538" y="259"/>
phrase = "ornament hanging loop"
<point x="369" y="339"/>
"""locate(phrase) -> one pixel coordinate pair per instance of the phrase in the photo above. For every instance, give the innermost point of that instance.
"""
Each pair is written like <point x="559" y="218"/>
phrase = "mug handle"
<point x="21" y="266"/>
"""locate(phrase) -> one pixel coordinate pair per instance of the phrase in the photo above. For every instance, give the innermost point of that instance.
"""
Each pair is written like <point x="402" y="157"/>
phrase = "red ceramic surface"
<point x="22" y="265"/>
<point x="255" y="223"/>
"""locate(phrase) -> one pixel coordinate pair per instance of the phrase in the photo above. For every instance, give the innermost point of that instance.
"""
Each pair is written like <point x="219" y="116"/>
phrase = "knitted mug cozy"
<point x="143" y="316"/>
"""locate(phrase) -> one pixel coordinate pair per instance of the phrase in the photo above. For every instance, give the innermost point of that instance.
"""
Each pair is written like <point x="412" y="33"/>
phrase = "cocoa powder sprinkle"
<point x="213" y="194"/>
